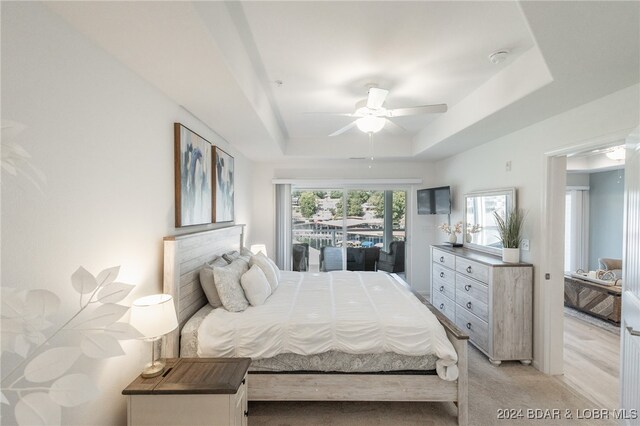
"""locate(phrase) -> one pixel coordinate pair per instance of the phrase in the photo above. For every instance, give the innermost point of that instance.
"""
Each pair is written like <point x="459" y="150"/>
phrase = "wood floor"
<point x="592" y="362"/>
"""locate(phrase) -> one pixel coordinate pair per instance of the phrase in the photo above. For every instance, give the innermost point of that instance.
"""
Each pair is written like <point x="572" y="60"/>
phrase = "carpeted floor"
<point x="509" y="386"/>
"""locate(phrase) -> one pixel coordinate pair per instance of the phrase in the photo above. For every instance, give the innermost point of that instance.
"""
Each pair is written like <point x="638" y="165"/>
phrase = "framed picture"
<point x="193" y="178"/>
<point x="223" y="184"/>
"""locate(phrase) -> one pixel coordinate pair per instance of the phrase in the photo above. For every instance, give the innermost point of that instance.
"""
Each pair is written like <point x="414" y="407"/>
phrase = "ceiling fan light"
<point x="370" y="124"/>
<point x="618" y="153"/>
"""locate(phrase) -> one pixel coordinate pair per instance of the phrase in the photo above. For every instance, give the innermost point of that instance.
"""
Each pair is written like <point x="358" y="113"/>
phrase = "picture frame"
<point x="224" y="190"/>
<point x="194" y="172"/>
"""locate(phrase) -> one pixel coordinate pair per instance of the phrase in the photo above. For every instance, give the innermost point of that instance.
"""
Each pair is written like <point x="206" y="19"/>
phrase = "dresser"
<point x="192" y="391"/>
<point x="489" y="299"/>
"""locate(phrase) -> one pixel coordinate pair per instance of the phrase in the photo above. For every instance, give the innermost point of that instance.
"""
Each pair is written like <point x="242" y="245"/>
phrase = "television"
<point x="434" y="200"/>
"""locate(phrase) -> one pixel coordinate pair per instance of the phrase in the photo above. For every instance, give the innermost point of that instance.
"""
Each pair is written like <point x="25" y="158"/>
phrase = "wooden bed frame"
<point x="185" y="254"/>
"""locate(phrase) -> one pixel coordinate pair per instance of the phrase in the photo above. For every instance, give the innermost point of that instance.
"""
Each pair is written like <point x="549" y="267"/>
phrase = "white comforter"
<point x="311" y="313"/>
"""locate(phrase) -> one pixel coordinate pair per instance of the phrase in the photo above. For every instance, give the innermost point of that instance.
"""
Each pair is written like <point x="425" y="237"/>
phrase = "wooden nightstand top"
<point x="194" y="376"/>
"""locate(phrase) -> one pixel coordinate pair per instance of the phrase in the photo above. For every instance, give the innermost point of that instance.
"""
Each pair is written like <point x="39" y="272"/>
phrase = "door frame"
<point x="552" y="239"/>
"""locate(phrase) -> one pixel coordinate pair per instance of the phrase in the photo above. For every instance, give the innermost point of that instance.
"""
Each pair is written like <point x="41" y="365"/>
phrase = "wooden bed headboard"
<point x="184" y="255"/>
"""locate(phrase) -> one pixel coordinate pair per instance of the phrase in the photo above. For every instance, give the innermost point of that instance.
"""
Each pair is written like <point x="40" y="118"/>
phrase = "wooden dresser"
<point x="192" y="391"/>
<point x="490" y="299"/>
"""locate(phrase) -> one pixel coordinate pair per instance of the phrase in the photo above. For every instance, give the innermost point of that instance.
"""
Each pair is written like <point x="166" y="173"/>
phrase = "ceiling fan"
<point x="371" y="116"/>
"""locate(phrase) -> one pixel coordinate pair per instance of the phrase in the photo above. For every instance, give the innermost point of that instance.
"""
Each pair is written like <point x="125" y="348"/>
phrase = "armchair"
<point x="613" y="265"/>
<point x="393" y="261"/>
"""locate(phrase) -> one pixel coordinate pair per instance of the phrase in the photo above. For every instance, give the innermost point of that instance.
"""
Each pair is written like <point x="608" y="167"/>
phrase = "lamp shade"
<point x="370" y="124"/>
<point x="257" y="248"/>
<point x="154" y="316"/>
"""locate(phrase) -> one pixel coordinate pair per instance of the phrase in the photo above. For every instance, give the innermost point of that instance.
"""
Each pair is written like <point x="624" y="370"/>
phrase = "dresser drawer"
<point x="480" y="309"/>
<point x="477" y="329"/>
<point x="443" y="288"/>
<point x="475" y="289"/>
<point x="444" y="274"/>
<point x="444" y="305"/>
<point x="443" y="258"/>
<point x="472" y="269"/>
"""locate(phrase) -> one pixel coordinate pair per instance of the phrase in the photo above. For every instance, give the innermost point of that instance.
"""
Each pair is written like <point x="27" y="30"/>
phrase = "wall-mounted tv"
<point x="434" y="200"/>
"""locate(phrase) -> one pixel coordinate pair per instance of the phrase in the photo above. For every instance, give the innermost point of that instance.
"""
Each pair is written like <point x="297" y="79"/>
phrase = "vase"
<point x="511" y="255"/>
<point x="453" y="238"/>
<point x="469" y="238"/>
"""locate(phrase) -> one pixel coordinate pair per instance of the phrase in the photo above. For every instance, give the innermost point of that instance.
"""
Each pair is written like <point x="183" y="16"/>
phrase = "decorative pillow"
<point x="255" y="285"/>
<point x="275" y="268"/>
<point x="231" y="256"/>
<point x="227" y="280"/>
<point x="208" y="283"/>
<point x="263" y="263"/>
<point x="244" y="254"/>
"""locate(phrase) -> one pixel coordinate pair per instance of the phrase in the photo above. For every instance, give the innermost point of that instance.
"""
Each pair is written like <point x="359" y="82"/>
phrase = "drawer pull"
<point x="442" y="306"/>
<point x="468" y="269"/>
<point x="441" y="274"/>
<point x="441" y="288"/>
<point x="244" y="381"/>
<point x="441" y="259"/>
<point x="467" y="287"/>
<point x="469" y="305"/>
<point x="246" y="413"/>
<point x="469" y="325"/>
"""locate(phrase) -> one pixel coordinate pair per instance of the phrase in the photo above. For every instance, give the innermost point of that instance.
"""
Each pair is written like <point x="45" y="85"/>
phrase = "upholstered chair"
<point x="613" y="265"/>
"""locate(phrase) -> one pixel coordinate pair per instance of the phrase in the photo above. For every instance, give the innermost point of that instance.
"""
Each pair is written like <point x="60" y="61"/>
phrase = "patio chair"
<point x="393" y="261"/>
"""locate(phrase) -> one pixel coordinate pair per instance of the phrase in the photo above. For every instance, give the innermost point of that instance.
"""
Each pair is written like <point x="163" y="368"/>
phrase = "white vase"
<point x="469" y="238"/>
<point x="511" y="255"/>
<point x="453" y="238"/>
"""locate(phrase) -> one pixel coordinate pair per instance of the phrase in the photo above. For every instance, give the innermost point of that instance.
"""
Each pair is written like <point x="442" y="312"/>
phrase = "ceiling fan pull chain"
<point x="371" y="148"/>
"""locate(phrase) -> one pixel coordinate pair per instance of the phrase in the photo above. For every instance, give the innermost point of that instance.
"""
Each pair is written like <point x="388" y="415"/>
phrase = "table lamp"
<point x="154" y="316"/>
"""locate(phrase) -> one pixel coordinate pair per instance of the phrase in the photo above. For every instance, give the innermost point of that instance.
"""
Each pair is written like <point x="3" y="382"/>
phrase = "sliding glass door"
<point x="352" y="229"/>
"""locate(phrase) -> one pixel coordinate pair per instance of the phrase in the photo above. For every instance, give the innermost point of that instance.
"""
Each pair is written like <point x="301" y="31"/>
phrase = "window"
<point x="338" y="229"/>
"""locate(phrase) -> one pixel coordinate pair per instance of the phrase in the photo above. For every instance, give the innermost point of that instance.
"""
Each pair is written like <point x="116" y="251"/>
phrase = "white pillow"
<point x="255" y="285"/>
<point x="275" y="268"/>
<point x="227" y="279"/>
<point x="263" y="263"/>
<point x="208" y="283"/>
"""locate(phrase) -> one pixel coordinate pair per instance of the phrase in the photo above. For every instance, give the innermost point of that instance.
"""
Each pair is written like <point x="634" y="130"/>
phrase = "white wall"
<point x="484" y="167"/>
<point x="606" y="216"/>
<point x="422" y="228"/>
<point x="104" y="140"/>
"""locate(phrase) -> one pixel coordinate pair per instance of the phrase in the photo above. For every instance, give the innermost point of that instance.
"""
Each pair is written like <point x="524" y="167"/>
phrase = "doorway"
<point x="593" y="246"/>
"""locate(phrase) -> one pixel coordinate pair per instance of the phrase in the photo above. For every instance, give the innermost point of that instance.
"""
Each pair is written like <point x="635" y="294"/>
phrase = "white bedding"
<point x="312" y="313"/>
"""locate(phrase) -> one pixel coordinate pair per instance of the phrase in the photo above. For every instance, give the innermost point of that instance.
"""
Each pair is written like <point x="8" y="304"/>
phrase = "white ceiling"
<point x="220" y="61"/>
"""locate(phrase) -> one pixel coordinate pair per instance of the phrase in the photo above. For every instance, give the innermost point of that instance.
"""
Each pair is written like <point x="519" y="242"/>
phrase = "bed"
<point x="278" y="376"/>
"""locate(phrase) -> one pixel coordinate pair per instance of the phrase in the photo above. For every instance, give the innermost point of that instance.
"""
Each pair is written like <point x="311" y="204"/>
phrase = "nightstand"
<point x="192" y="391"/>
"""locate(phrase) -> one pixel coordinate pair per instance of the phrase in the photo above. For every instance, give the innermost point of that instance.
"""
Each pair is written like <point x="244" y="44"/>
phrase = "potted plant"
<point x="510" y="232"/>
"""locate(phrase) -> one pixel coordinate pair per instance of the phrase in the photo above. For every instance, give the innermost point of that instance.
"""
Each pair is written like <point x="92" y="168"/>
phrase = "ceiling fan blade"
<point x="376" y="97"/>
<point x="344" y="129"/>
<point x="394" y="126"/>
<point x="425" y="109"/>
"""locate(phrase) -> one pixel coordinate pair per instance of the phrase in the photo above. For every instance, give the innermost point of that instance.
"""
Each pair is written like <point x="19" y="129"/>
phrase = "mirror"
<point x="480" y="229"/>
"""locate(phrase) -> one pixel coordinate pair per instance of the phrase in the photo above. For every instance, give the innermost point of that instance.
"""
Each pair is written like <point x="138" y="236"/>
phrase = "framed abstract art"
<point x="224" y="186"/>
<point x="193" y="178"/>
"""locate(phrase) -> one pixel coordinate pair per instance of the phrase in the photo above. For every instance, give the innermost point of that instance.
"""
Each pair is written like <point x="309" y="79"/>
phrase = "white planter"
<point x="453" y="238"/>
<point x="469" y="238"/>
<point x="511" y="255"/>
